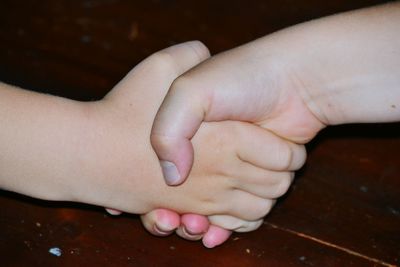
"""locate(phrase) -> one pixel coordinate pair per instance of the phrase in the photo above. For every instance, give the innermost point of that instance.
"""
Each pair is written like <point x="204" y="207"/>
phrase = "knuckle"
<point x="262" y="209"/>
<point x="200" y="49"/>
<point x="248" y="226"/>
<point x="235" y="224"/>
<point x="187" y="90"/>
<point x="285" y="156"/>
<point x="242" y="226"/>
<point x="284" y="185"/>
<point x="224" y="136"/>
<point x="163" y="61"/>
<point x="160" y="142"/>
<point x="184" y="83"/>
<point x="266" y="207"/>
<point x="227" y="182"/>
<point x="219" y="141"/>
<point x="300" y="157"/>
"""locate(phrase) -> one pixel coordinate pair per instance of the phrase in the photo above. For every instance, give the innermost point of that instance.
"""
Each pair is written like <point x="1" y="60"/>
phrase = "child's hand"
<point x="230" y="86"/>
<point x="100" y="153"/>
<point x="275" y="153"/>
<point x="234" y="173"/>
<point x="217" y="144"/>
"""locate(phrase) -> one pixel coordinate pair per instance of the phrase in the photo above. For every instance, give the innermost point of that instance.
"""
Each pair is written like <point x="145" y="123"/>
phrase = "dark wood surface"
<point x="343" y="210"/>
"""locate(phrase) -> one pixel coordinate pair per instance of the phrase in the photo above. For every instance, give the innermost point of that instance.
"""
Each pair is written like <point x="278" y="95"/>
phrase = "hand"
<point x="192" y="227"/>
<point x="244" y="84"/>
<point x="220" y="66"/>
<point x="249" y="152"/>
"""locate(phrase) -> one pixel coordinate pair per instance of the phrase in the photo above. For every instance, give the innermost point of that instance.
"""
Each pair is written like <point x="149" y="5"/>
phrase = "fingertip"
<point x="175" y="155"/>
<point x="170" y="173"/>
<point x="195" y="224"/>
<point x="299" y="157"/>
<point x="167" y="220"/>
<point x="200" y="49"/>
<point x="113" y="212"/>
<point x="162" y="230"/>
<point x="161" y="222"/>
<point x="215" y="236"/>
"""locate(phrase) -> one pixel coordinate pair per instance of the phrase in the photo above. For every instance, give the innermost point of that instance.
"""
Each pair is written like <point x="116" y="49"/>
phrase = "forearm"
<point x="55" y="148"/>
<point x="40" y="143"/>
<point x="348" y="65"/>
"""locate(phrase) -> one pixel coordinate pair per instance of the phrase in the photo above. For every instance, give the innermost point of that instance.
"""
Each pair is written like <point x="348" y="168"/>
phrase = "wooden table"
<point x="343" y="210"/>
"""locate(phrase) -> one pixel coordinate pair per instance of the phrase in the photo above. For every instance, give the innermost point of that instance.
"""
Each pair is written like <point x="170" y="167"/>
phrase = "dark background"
<point x="343" y="210"/>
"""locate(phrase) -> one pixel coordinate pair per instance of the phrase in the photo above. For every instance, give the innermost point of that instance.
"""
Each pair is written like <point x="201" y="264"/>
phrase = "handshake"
<point x="225" y="132"/>
<point x="235" y="123"/>
<point x="232" y="143"/>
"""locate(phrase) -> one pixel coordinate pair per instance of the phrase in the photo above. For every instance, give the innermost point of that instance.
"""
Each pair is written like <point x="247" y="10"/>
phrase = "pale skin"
<point x="100" y="153"/>
<point x="335" y="70"/>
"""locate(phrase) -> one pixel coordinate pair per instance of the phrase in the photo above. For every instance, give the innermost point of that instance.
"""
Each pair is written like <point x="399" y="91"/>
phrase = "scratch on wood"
<point x="349" y="251"/>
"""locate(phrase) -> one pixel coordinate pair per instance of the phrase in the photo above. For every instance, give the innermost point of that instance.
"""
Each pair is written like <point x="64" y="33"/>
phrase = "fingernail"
<point x="189" y="233"/>
<point x="170" y="172"/>
<point x="159" y="231"/>
<point x="113" y="211"/>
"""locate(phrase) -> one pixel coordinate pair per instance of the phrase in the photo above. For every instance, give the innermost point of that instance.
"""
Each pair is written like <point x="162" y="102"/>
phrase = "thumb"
<point x="208" y="92"/>
<point x="177" y="120"/>
<point x="176" y="153"/>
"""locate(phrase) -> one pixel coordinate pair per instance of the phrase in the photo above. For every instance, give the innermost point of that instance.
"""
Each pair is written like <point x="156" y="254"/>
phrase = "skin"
<point x="100" y="153"/>
<point x="335" y="70"/>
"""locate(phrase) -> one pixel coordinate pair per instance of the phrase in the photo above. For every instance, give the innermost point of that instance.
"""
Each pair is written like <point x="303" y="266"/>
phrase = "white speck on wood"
<point x="55" y="251"/>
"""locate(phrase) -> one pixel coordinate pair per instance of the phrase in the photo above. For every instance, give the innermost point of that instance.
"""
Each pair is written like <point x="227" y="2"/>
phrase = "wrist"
<point x="39" y="140"/>
<point x="73" y="149"/>
<point x="347" y="65"/>
<point x="115" y="165"/>
<point x="291" y="111"/>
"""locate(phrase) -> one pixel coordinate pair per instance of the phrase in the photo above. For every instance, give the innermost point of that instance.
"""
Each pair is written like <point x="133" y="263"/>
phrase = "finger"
<point x="193" y="226"/>
<point x="186" y="55"/>
<point x="113" y="212"/>
<point x="262" y="183"/>
<point x="175" y="124"/>
<point x="215" y="236"/>
<point x="234" y="224"/>
<point x="183" y="56"/>
<point x="158" y="72"/>
<point x="266" y="150"/>
<point x="247" y="206"/>
<point x="161" y="222"/>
